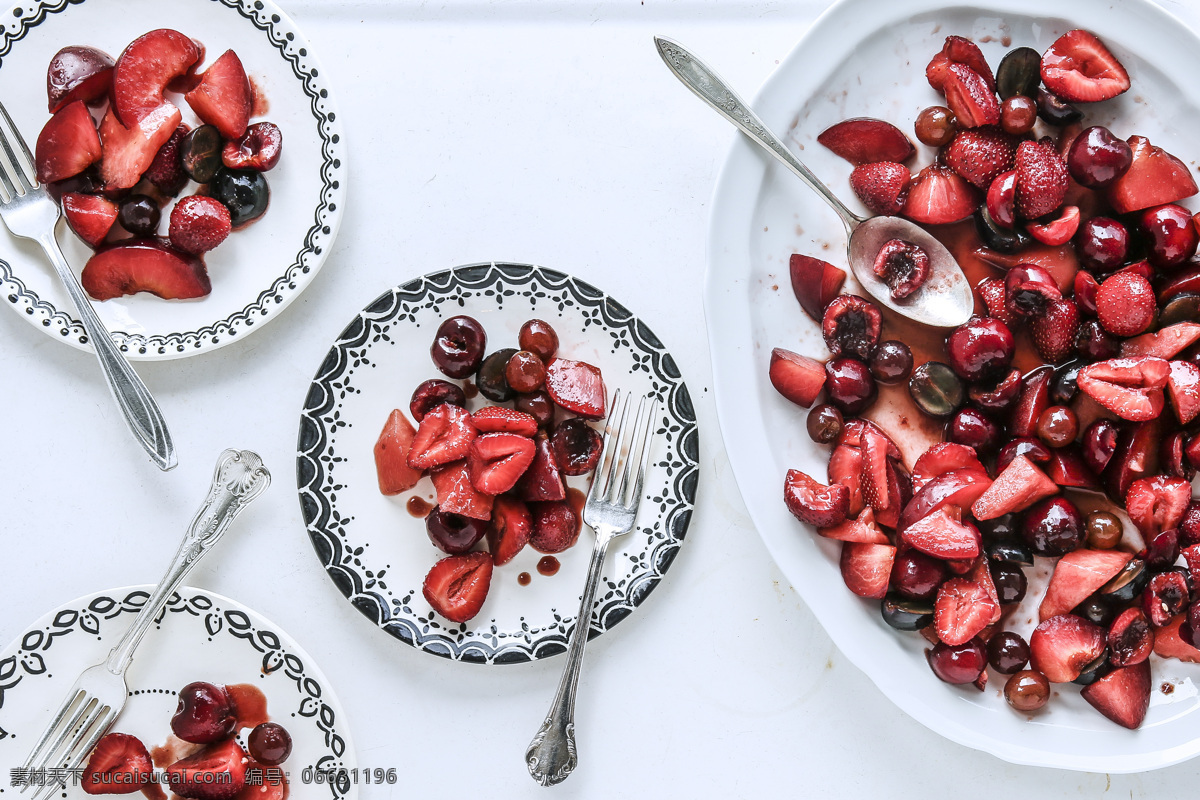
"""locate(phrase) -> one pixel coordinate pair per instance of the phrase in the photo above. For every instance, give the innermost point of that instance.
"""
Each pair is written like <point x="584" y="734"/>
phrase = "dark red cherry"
<point x="958" y="664"/>
<point x="1102" y="244"/>
<point x="576" y="446"/>
<point x="1053" y="527"/>
<point x="458" y="346"/>
<point x="538" y="337"/>
<point x="537" y="405"/>
<point x="1097" y="157"/>
<point x="980" y="347"/>
<point x="205" y="714"/>
<point x="1094" y="343"/>
<point x="1027" y="690"/>
<point x="971" y="427"/>
<point x="525" y="372"/>
<point x="453" y="533"/>
<point x="892" y="362"/>
<point x="1099" y="444"/>
<point x="849" y="385"/>
<point x="916" y="575"/>
<point x="269" y="744"/>
<point x="1170" y="235"/>
<point x="431" y="394"/>
<point x="1008" y="653"/>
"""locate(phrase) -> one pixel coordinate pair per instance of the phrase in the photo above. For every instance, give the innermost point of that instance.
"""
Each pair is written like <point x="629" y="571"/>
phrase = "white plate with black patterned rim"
<point x="377" y="554"/>
<point x="258" y="270"/>
<point x="199" y="636"/>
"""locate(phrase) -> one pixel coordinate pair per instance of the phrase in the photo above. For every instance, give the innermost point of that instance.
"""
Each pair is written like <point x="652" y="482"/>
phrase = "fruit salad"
<point x="203" y="759"/>
<point x="118" y="179"/>
<point x="498" y="471"/>
<point x="1057" y="426"/>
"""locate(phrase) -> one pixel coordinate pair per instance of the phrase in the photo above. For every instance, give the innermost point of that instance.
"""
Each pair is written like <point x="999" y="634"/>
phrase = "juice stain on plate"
<point x="548" y="565"/>
<point x="250" y="702"/>
<point x="419" y="507"/>
<point x="524" y="578"/>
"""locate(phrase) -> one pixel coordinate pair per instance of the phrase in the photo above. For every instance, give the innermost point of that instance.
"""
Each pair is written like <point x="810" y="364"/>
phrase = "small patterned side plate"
<point x="377" y="553"/>
<point x="199" y="636"/>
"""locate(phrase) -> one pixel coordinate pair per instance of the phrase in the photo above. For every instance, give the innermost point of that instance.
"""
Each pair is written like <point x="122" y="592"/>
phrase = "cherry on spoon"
<point x="944" y="300"/>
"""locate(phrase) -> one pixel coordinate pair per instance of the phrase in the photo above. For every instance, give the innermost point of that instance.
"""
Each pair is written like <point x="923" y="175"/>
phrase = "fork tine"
<point x="75" y="758"/>
<point x="86" y="704"/>
<point x="26" y="168"/>
<point x="618" y="496"/>
<point x="46" y="734"/>
<point x="14" y="180"/>
<point x="598" y="483"/>
<point x="614" y="464"/>
<point x="647" y="435"/>
<point x="79" y="747"/>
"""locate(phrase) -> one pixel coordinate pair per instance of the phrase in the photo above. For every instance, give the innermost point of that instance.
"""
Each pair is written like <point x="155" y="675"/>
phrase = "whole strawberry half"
<point x="199" y="223"/>
<point x="1054" y="331"/>
<point x="1125" y="304"/>
<point x="509" y="530"/>
<point x="958" y="50"/>
<point x="1080" y="69"/>
<point x="445" y="435"/>
<point x="217" y="772"/>
<point x="456" y="586"/>
<point x="119" y="764"/>
<point x="882" y="186"/>
<point x="498" y="460"/>
<point x="970" y="97"/>
<point x="962" y="610"/>
<point x="576" y="386"/>
<point x="980" y="155"/>
<point x="1157" y="504"/>
<point x="1042" y="179"/>
<point x="555" y="526"/>
<point x="938" y="196"/>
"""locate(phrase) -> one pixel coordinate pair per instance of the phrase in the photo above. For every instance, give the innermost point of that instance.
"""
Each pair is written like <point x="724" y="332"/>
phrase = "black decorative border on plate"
<point x="316" y="465"/>
<point x="28" y="662"/>
<point x="286" y="38"/>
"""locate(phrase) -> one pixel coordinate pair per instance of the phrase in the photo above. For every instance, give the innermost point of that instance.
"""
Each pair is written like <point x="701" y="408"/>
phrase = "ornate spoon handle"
<point x="239" y="478"/>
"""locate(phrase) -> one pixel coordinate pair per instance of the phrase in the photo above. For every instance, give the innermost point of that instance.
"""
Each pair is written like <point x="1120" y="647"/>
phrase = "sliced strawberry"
<point x="854" y="429"/>
<point x="1042" y="179"/>
<point x="145" y="68"/>
<point x="120" y="764"/>
<point x="1076" y="576"/>
<point x="128" y="152"/>
<point x="942" y="458"/>
<point x="78" y="73"/>
<point x="867" y="568"/>
<point x="445" y="435"/>
<point x="846" y="468"/>
<point x="980" y="155"/>
<point x="555" y="526"/>
<point x="1080" y="69"/>
<point x="576" y="386"/>
<point x="223" y="97"/>
<point x="498" y="460"/>
<point x="1157" y="504"/>
<point x="812" y="502"/>
<point x="882" y="186"/>
<point x="498" y="419"/>
<point x="1067" y="468"/>
<point x="1019" y="486"/>
<point x="510" y="529"/>
<point x="1155" y="177"/>
<point x="1131" y="388"/>
<point x="1055" y="330"/>
<point x="981" y="574"/>
<point x="1060" y="647"/>
<point x="815" y="283"/>
<point x="863" y="140"/>
<point x="67" y="145"/>
<point x="1183" y="385"/>
<point x="391" y="455"/>
<point x="145" y="265"/>
<point x="875" y="479"/>
<point x="993" y="294"/>
<point x="1122" y="695"/>
<point x="542" y="481"/>
<point x="899" y="493"/>
<point x="942" y="536"/>
<point x="1058" y="231"/>
<point x="962" y="610"/>
<point x="1169" y="644"/>
<point x="863" y="529"/>
<point x="456" y="586"/>
<point x="1165" y="343"/>
<point x="90" y="216"/>
<point x="1033" y="400"/>
<point x="217" y="772"/>
<point x="958" y="487"/>
<point x="457" y="495"/>
<point x="938" y="196"/>
<point x="166" y="169"/>
<point x="796" y="377"/>
<point x="958" y="50"/>
<point x="970" y="97"/>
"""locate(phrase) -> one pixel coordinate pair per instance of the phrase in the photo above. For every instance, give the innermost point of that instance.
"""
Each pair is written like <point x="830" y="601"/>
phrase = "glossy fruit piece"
<point x="1157" y="504"/>
<point x="498" y="419"/>
<point x="129" y="151"/>
<point x="78" y="73"/>
<point x="1061" y="646"/>
<point x="1058" y="231"/>
<point x="1055" y="330"/>
<point x="936" y="389"/>
<point x="456" y="586"/>
<point x="958" y="50"/>
<point x="958" y="487"/>
<point x="863" y="528"/>
<point x="1077" y="575"/>
<point x="882" y="187"/>
<point x="144" y="265"/>
<point x="538" y="337"/>
<point x="1009" y="580"/>
<point x="1155" y="177"/>
<point x="67" y="144"/>
<point x="576" y="446"/>
<point x="391" y="455"/>
<point x="217" y="772"/>
<point x="1053" y="110"/>
<point x="866" y="568"/>
<point x="1102" y="243"/>
<point x="1093" y="343"/>
<point x="1080" y="69"/>
<point x="1053" y="527"/>
<point x="166" y="168"/>
<point x="935" y="126"/>
<point x="845" y="468"/>
<point x="204" y="713"/>
<point x="1168" y="642"/>
<point x="1058" y="426"/>
<point x="1173" y="456"/>
<point x="824" y="424"/>
<point x="199" y="224"/>
<point x="958" y="664"/>
<point x="905" y="614"/>
<point x="938" y="196"/>
<point x="943" y="536"/>
<point x="1027" y="690"/>
<point x="796" y="377"/>
<point x="980" y="155"/>
<point x="1169" y="234"/>
<point x="970" y="96"/>
<point x="979" y="347"/>
<point x="1008" y="653"/>
<point x="490" y="378"/>
<point x="855" y="429"/>
<point x="1097" y="158"/>
<point x="815" y="283"/>
<point x="1016" y="488"/>
<point x="458" y="346"/>
<point x="139" y="214"/>
<point x="812" y="502"/>
<point x="90" y="216"/>
<point x="1019" y="73"/>
<point x="916" y="575"/>
<point x="1131" y="388"/>
<point x="259" y="148"/>
<point x="269" y="744"/>
<point x="1032" y="402"/>
<point x="1001" y="199"/>
<point x="1166" y="595"/>
<point x="1029" y="289"/>
<point x="244" y="192"/>
<point x="1122" y="695"/>
<point x="892" y="362"/>
<point x="962" y="610"/>
<point x="145" y="68"/>
<point x="453" y="533"/>
<point x="525" y="372"/>
<point x="1162" y="550"/>
<point x="542" y="481"/>
<point x="119" y="764"/>
<point x="457" y="495"/>
<point x="538" y="405"/>
<point x="1018" y="115"/>
<point x="1033" y="449"/>
<point x="851" y="326"/>
<point x="1041" y="181"/>
<point x="1064" y="388"/>
<point x="555" y="526"/>
<point x="1166" y="342"/>
<point x="1130" y="638"/>
<point x="445" y="435"/>
<point x="1136" y="457"/>
<point x="863" y="140"/>
<point x="1182" y="282"/>
<point x="942" y="458"/>
<point x="903" y="266"/>
<point x="200" y="153"/>
<point x="432" y="393"/>
<point x="498" y="460"/>
<point x="223" y="97"/>
<point x="971" y="427"/>
<point x="849" y="385"/>
<point x="996" y="237"/>
<point x="1067" y="468"/>
<point x="997" y="398"/>
<point x="1183" y="386"/>
<point x="577" y="387"/>
<point x="509" y="530"/>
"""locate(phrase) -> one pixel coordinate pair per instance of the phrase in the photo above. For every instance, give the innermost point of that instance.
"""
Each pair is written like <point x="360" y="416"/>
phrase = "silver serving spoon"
<point x="945" y="300"/>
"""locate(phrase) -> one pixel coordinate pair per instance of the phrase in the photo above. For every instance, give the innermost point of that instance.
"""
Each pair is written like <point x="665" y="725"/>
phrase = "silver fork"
<point x="99" y="693"/>
<point x="610" y="511"/>
<point x="30" y="213"/>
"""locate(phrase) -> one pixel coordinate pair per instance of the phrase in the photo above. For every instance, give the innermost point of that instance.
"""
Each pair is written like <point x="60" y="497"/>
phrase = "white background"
<point x="544" y="132"/>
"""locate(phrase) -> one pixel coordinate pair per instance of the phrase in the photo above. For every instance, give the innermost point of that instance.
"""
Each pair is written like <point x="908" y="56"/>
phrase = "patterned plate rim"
<point x="286" y="38"/>
<point x="321" y="518"/>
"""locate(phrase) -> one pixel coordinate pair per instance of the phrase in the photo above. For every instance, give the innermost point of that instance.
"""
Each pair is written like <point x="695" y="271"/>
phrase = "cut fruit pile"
<point x="498" y="472"/>
<point x="1069" y="400"/>
<point x="115" y="179"/>
<point x="207" y="763"/>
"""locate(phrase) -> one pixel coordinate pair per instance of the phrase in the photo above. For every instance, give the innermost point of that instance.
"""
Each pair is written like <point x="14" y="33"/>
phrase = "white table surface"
<point x="536" y="131"/>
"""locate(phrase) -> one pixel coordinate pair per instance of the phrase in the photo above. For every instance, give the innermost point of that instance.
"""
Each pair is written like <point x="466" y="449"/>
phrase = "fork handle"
<point x="551" y="756"/>
<point x="239" y="478"/>
<point x="141" y="412"/>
